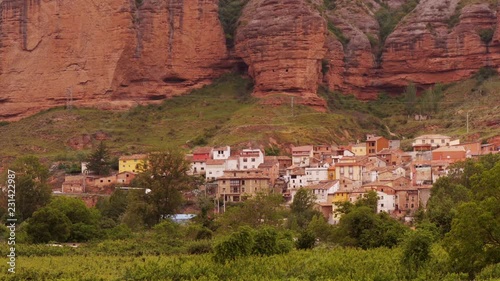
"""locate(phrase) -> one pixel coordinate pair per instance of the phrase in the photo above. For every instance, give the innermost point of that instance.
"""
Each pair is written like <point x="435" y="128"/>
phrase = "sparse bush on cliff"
<point x="229" y="15"/>
<point x="486" y="35"/>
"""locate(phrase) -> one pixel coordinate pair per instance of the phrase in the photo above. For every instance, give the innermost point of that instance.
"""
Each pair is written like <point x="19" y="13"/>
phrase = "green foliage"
<point x="330" y="4"/>
<point x="99" y="160"/>
<point x="306" y="240"/>
<point x="66" y="215"/>
<point x="388" y="19"/>
<point x="473" y="240"/>
<point x="261" y="209"/>
<point x="338" y="33"/>
<point x="265" y="241"/>
<point x="416" y="251"/>
<point x="199" y="247"/>
<point x="32" y="188"/>
<point x="410" y="96"/>
<point x="114" y="206"/>
<point x="445" y="197"/>
<point x="49" y="224"/>
<point x="302" y="207"/>
<point x="238" y="244"/>
<point x="361" y="227"/>
<point x="229" y="14"/>
<point x="485" y="73"/>
<point x="165" y="174"/>
<point x="119" y="232"/>
<point x="169" y="232"/>
<point x="272" y="151"/>
<point x="320" y="228"/>
<point x="486" y="35"/>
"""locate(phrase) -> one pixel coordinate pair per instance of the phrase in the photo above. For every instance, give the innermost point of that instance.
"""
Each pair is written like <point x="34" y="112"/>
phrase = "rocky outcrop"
<point x="110" y="54"/>
<point x="117" y="53"/>
<point x="425" y="49"/>
<point x="282" y="42"/>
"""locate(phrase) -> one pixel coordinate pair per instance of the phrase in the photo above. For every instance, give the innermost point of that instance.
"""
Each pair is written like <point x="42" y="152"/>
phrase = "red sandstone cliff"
<point x="104" y="53"/>
<point x="117" y="53"/>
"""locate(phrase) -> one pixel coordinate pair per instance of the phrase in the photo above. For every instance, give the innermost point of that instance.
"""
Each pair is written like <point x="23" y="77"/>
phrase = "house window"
<point x="101" y="181"/>
<point x="244" y="167"/>
<point x="253" y="159"/>
<point x="442" y="141"/>
<point x="202" y="168"/>
<point x="109" y="180"/>
<point x="210" y="172"/>
<point x="223" y="182"/>
<point x="381" y="197"/>
<point x="242" y="182"/>
<point x="341" y="170"/>
<point x="432" y="141"/>
<point x="412" y="205"/>
<point x="245" y="160"/>
<point x="242" y="189"/>
<point x="127" y="175"/>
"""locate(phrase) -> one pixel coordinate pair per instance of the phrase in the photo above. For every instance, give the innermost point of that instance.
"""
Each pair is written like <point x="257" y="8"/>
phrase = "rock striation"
<point x="118" y="53"/>
<point x="110" y="54"/>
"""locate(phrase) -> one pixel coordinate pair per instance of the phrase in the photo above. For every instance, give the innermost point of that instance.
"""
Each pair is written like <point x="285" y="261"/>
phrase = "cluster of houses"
<point x="402" y="180"/>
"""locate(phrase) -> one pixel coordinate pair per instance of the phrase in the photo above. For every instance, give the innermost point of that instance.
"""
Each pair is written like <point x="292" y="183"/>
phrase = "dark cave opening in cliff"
<point x="241" y="67"/>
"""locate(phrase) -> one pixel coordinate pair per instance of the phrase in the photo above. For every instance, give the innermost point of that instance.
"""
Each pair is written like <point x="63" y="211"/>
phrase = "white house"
<point x="316" y="174"/>
<point x="320" y="190"/>
<point x="232" y="163"/>
<point x="295" y="177"/>
<point x="250" y="159"/>
<point x="386" y="201"/>
<point x="221" y="153"/>
<point x="214" y="169"/>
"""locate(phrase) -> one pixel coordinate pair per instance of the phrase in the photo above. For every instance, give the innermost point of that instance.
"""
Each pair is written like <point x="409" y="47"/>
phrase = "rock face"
<point x="282" y="43"/>
<point x="117" y="53"/>
<point x="105" y="53"/>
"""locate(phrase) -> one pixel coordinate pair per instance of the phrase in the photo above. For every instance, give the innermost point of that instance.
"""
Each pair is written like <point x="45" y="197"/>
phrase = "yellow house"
<point x="359" y="149"/>
<point x="130" y="163"/>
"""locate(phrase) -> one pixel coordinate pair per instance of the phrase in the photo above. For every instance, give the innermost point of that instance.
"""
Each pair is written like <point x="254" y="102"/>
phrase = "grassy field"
<point x="225" y="113"/>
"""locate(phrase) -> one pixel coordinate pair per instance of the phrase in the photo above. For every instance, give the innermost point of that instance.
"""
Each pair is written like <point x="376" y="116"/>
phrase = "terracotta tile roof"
<point x="215" y="162"/>
<point x="202" y="150"/>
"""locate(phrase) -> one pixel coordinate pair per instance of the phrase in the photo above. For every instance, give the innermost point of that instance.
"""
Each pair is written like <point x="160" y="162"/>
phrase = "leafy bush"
<point x="229" y="14"/>
<point x="484" y="73"/>
<point x="199" y="247"/>
<point x="486" y="35"/>
<point x="338" y="33"/>
<point x="306" y="240"/>
<point x="238" y="244"/>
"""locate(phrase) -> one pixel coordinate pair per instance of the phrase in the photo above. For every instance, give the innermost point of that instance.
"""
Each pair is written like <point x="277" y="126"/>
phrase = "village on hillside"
<point x="334" y="174"/>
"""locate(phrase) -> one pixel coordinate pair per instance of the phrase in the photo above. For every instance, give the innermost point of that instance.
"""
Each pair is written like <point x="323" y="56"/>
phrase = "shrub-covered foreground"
<point x="337" y="263"/>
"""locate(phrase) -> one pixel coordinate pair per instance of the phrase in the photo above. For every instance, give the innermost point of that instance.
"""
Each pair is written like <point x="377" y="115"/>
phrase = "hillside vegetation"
<point x="225" y="113"/>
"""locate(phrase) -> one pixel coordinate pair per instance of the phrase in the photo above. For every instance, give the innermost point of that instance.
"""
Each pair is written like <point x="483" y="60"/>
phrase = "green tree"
<point x="164" y="176"/>
<point x="302" y="207"/>
<point x="114" y="206"/>
<point x="261" y="209"/>
<point x="99" y="160"/>
<point x="83" y="222"/>
<point x="48" y="224"/>
<point x="32" y="188"/>
<point x="416" y="252"/>
<point x="361" y="227"/>
<point x="474" y="239"/>
<point x="410" y="98"/>
<point x="446" y="196"/>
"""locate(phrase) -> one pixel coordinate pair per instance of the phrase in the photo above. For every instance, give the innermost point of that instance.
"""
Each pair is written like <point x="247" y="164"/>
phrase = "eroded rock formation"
<point x="110" y="54"/>
<point x="117" y="53"/>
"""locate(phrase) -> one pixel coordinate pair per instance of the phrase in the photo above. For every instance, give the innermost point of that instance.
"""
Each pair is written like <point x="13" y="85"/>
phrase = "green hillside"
<point x="225" y="113"/>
